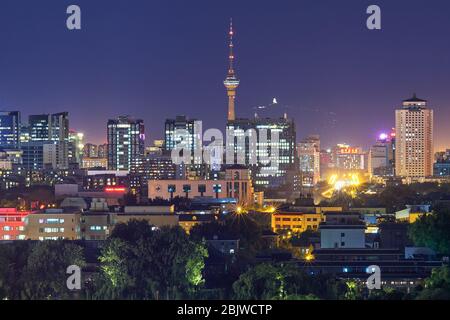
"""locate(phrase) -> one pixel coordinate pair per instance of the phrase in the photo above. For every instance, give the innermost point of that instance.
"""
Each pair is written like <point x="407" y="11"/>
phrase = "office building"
<point x="260" y="137"/>
<point x="126" y="143"/>
<point x="10" y="129"/>
<point x="48" y="129"/>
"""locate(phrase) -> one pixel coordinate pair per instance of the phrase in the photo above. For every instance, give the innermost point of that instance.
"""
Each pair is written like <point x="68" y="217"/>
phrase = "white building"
<point x="342" y="230"/>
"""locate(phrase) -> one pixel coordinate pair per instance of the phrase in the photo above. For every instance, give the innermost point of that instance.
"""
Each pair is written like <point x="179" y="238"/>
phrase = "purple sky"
<point x="160" y="58"/>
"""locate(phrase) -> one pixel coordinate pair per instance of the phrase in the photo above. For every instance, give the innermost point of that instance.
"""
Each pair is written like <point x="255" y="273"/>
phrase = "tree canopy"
<point x="141" y="262"/>
<point x="432" y="231"/>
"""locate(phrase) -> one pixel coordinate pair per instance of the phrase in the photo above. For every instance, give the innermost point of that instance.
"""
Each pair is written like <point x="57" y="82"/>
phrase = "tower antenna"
<point x="231" y="82"/>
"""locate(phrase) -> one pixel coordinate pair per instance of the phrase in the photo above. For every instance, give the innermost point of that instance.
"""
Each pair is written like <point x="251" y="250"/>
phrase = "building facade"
<point x="48" y="129"/>
<point x="414" y="139"/>
<point x="308" y="151"/>
<point x="126" y="143"/>
<point x="10" y="129"/>
<point x="252" y="141"/>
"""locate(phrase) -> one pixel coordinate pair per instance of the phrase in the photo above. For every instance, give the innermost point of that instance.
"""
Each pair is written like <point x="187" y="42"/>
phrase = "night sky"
<point x="155" y="59"/>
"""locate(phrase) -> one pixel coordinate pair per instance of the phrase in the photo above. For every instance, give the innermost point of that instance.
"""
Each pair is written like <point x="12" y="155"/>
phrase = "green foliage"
<point x="37" y="270"/>
<point x="13" y="259"/>
<point x="433" y="231"/>
<point x="139" y="262"/>
<point x="242" y="227"/>
<point x="284" y="282"/>
<point x="437" y="286"/>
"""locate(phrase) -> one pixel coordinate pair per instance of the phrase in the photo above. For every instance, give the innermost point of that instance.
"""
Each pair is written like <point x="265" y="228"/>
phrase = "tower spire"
<point x="231" y="82"/>
<point x="231" y="55"/>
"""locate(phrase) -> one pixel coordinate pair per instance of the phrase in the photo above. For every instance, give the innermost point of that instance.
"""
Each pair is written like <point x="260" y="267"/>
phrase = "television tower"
<point x="231" y="82"/>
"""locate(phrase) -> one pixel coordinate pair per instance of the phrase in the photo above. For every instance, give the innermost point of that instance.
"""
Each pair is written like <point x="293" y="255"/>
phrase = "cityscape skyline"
<point x="325" y="112"/>
<point x="195" y="152"/>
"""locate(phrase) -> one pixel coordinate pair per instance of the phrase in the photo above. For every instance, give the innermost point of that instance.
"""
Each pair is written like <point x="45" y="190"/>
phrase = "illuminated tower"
<point x="231" y="82"/>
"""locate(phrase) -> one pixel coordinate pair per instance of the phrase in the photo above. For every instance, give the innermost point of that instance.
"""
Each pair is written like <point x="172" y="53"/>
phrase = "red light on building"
<point x="12" y="224"/>
<point x="115" y="189"/>
<point x="349" y="150"/>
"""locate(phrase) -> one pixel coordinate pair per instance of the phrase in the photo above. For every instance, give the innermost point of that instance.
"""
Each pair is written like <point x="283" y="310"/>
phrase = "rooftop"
<point x="414" y="99"/>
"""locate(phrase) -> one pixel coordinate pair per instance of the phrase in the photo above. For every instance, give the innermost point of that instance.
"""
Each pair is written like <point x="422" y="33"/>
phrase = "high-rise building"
<point x="188" y="133"/>
<point x="39" y="155"/>
<point x="231" y="81"/>
<point x="10" y="129"/>
<point x="180" y="129"/>
<point x="75" y="147"/>
<point x="414" y="139"/>
<point x="349" y="158"/>
<point x="281" y="162"/>
<point x="308" y="151"/>
<point x="381" y="156"/>
<point x="52" y="129"/>
<point x="126" y="143"/>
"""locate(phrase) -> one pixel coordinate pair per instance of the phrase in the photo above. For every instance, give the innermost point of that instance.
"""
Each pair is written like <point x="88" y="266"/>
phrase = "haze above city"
<point x="157" y="59"/>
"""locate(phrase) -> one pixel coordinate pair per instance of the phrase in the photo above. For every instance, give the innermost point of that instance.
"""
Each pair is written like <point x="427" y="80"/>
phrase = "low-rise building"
<point x="342" y="230"/>
<point x="295" y="221"/>
<point x="237" y="184"/>
<point x="188" y="221"/>
<point x="53" y="224"/>
<point x="12" y="224"/>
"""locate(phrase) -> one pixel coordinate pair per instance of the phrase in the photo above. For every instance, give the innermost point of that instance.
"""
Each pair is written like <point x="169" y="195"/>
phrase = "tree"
<point x="13" y="260"/>
<point x="45" y="273"/>
<point x="433" y="231"/>
<point x="242" y="227"/>
<point x="263" y="282"/>
<point x="285" y="282"/>
<point x="437" y="286"/>
<point x="141" y="262"/>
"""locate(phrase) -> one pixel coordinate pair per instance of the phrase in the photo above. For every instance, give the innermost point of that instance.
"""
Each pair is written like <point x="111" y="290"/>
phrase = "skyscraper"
<point x="264" y="175"/>
<point x="9" y="129"/>
<point x="75" y="149"/>
<point x="381" y="155"/>
<point x="180" y="129"/>
<point x="126" y="143"/>
<point x="231" y="81"/>
<point x="186" y="132"/>
<point x="52" y="129"/>
<point x="414" y="139"/>
<point x="308" y="151"/>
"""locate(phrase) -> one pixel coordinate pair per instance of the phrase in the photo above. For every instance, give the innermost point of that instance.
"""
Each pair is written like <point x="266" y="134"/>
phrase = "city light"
<point x="115" y="189"/>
